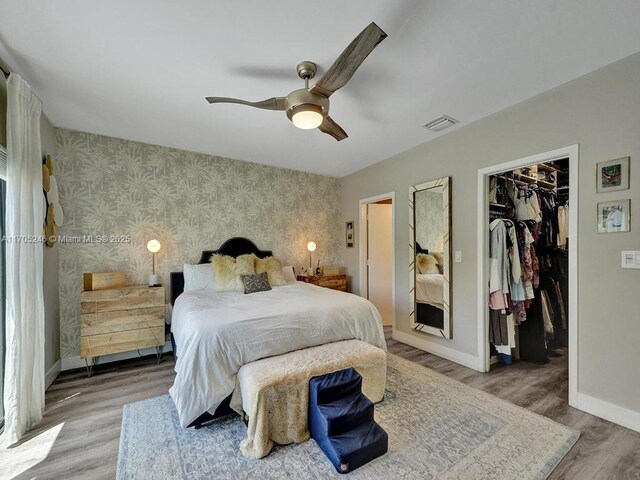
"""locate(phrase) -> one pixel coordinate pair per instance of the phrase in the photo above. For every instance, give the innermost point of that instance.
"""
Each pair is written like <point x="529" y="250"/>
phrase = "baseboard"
<point x="464" y="359"/>
<point x="609" y="411"/>
<point x="71" y="363"/>
<point x="51" y="375"/>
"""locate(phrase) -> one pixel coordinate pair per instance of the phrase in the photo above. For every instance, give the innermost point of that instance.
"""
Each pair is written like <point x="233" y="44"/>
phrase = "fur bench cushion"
<point x="274" y="392"/>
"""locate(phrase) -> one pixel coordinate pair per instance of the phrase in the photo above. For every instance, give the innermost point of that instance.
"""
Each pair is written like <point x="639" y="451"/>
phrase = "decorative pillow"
<point x="273" y="267"/>
<point x="227" y="271"/>
<point x="427" y="263"/>
<point x="440" y="259"/>
<point x="198" y="277"/>
<point x="256" y="283"/>
<point x="288" y="274"/>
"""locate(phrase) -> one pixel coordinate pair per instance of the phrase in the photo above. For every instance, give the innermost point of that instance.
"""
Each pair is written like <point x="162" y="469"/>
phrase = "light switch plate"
<point x="458" y="256"/>
<point x="630" y="259"/>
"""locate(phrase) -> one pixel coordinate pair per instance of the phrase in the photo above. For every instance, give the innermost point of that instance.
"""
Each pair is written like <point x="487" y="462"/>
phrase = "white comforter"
<point x="217" y="333"/>
<point x="430" y="289"/>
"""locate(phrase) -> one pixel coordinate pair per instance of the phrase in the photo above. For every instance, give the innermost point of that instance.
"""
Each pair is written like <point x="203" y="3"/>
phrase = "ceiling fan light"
<point x="307" y="116"/>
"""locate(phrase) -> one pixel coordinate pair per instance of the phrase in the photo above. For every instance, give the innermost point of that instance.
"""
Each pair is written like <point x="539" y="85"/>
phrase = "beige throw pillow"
<point x="273" y="267"/>
<point x="427" y="263"/>
<point x="227" y="271"/>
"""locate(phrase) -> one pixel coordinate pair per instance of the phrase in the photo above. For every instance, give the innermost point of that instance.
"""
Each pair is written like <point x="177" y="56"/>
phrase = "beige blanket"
<point x="274" y="392"/>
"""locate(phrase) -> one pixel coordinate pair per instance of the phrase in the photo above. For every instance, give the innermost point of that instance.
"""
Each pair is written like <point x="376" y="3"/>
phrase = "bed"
<point x="216" y="333"/>
<point x="429" y="299"/>
<point x="429" y="289"/>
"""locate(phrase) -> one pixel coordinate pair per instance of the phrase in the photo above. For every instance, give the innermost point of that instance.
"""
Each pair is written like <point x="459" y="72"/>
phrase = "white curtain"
<point x="24" y="374"/>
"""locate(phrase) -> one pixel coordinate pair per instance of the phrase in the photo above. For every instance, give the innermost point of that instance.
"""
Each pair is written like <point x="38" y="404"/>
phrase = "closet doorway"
<point x="527" y="261"/>
<point x="377" y="271"/>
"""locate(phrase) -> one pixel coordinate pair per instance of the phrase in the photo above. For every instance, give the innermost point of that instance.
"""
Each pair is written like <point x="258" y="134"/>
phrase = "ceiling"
<point x="140" y="70"/>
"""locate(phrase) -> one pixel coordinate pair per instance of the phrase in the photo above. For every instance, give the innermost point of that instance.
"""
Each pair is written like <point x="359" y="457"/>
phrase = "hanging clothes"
<point x="499" y="284"/>
<point x="563" y="225"/>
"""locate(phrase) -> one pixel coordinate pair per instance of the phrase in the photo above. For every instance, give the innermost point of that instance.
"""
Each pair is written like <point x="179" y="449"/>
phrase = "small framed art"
<point x="614" y="216"/>
<point x="612" y="175"/>
<point x="349" y="234"/>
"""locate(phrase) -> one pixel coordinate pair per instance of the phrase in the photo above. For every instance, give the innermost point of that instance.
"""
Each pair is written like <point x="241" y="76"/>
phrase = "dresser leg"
<point x="158" y="354"/>
<point x="90" y="364"/>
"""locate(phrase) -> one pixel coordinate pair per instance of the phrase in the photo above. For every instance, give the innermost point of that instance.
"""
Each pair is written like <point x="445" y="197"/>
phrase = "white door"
<point x="380" y="252"/>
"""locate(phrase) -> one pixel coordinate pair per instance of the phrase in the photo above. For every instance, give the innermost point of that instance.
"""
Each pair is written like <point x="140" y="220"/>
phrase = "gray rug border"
<point x="410" y="369"/>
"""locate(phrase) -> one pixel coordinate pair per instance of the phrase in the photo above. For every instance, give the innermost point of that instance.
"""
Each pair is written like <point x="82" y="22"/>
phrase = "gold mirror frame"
<point x="446" y="331"/>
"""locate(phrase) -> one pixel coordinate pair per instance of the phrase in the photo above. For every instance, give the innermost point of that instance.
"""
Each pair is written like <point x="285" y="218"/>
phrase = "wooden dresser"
<point x="335" y="282"/>
<point x="121" y="319"/>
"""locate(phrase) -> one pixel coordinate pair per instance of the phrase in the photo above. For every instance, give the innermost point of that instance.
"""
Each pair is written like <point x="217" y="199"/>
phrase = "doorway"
<point x="377" y="253"/>
<point x="524" y="171"/>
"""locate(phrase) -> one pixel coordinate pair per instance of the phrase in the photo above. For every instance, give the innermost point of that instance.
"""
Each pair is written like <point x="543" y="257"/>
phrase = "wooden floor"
<point x="79" y="435"/>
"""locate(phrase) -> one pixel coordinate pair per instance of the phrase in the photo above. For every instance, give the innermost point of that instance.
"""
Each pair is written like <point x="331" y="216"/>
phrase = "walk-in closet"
<point x="529" y="275"/>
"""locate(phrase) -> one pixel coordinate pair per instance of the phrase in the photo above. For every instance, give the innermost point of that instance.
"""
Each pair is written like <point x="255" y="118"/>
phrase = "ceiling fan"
<point x="308" y="108"/>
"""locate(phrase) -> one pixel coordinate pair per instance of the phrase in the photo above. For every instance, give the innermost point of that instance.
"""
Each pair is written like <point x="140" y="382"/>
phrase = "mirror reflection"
<point x="431" y="257"/>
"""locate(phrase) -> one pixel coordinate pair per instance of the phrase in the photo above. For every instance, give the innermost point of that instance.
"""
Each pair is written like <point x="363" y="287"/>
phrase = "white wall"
<point x="600" y="112"/>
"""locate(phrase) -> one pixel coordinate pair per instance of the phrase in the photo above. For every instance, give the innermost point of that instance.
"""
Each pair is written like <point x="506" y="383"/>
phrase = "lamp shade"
<point x="153" y="246"/>
<point x="311" y="246"/>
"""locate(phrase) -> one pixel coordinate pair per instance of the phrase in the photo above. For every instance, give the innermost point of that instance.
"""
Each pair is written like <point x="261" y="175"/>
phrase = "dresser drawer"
<point x="121" y="320"/>
<point x="332" y="283"/>
<point x="115" y="342"/>
<point x="121" y="299"/>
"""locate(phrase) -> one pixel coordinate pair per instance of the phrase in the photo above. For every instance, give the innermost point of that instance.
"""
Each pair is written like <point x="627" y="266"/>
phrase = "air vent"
<point x="440" y="123"/>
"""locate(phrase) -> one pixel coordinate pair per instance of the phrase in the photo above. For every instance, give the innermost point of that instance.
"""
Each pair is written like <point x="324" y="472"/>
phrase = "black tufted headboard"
<point x="233" y="247"/>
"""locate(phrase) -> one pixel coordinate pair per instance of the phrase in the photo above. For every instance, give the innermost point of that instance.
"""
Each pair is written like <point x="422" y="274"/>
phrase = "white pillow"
<point x="198" y="277"/>
<point x="288" y="275"/>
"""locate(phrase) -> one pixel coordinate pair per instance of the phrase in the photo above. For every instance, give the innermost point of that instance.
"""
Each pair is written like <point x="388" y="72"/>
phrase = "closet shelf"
<point x="564" y="188"/>
<point x="527" y="179"/>
<point x="545" y="168"/>
<point x="542" y="183"/>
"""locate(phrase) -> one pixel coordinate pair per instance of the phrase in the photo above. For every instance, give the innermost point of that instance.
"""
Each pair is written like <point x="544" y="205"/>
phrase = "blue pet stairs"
<point x="341" y="420"/>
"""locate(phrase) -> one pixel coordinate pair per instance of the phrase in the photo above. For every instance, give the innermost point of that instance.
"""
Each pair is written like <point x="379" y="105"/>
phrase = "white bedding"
<point x="430" y="289"/>
<point x="217" y="333"/>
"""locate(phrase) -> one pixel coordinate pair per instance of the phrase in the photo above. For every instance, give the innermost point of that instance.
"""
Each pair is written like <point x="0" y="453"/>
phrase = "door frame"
<point x="363" y="244"/>
<point x="571" y="152"/>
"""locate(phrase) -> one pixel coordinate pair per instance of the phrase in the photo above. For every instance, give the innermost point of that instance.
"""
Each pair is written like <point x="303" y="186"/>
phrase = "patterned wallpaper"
<point x="112" y="189"/>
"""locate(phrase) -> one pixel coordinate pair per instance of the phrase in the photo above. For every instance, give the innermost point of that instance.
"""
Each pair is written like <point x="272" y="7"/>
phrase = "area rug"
<point x="438" y="428"/>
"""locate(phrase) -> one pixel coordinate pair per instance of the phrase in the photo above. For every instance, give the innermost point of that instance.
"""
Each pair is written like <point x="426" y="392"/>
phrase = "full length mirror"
<point x="430" y="257"/>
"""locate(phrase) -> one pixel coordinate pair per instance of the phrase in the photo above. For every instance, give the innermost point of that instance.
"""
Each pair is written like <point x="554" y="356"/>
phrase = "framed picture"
<point x="349" y="234"/>
<point x="614" y="216"/>
<point x="612" y="175"/>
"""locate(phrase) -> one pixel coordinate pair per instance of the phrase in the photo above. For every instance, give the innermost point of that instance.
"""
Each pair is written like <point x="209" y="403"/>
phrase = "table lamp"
<point x="311" y="246"/>
<point x="154" y="247"/>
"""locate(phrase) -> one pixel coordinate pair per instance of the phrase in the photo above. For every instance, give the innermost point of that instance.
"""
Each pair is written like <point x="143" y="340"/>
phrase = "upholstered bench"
<point x="273" y="393"/>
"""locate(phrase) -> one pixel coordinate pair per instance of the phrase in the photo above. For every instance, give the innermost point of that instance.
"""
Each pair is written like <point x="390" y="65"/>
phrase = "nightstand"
<point x="335" y="282"/>
<point x="120" y="319"/>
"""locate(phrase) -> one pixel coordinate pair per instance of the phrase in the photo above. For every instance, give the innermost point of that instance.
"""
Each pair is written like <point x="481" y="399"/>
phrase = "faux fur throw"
<point x="227" y="271"/>
<point x="274" y="392"/>
<point x="427" y="263"/>
<point x="273" y="267"/>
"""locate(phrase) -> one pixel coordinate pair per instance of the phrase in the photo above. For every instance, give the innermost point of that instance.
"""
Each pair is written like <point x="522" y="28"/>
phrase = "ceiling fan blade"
<point x="275" y="103"/>
<point x="348" y="62"/>
<point x="333" y="129"/>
